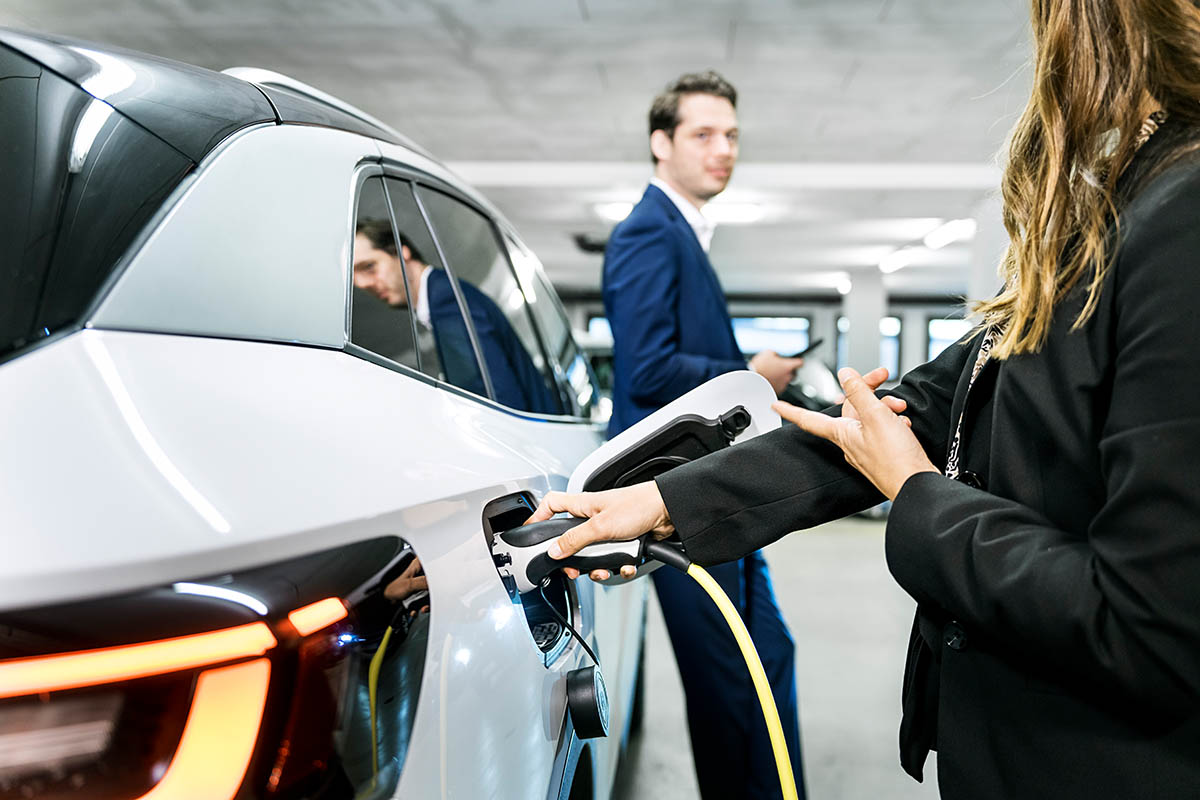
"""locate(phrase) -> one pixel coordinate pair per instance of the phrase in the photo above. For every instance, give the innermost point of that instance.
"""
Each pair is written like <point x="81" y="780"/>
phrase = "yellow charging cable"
<point x="787" y="781"/>
<point x="673" y="556"/>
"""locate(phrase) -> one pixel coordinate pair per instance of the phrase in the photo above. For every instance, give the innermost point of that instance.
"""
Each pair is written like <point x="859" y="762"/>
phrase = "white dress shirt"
<point x="423" y="315"/>
<point x="701" y="225"/>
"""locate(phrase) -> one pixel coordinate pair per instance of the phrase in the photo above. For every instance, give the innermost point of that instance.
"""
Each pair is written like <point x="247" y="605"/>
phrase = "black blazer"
<point x="1057" y="648"/>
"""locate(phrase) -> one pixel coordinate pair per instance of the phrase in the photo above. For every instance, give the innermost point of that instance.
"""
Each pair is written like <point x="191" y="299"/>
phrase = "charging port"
<point x="505" y="513"/>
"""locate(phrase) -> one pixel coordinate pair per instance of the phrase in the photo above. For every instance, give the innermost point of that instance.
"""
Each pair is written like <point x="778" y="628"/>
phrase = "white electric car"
<point x="272" y="380"/>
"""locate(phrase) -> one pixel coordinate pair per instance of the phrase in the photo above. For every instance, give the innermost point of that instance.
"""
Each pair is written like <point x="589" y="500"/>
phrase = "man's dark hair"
<point x="379" y="234"/>
<point x="664" y="111"/>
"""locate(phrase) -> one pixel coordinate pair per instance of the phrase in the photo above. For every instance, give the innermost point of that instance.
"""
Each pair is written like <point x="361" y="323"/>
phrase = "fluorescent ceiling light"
<point x="897" y="259"/>
<point x="956" y="230"/>
<point x="613" y="212"/>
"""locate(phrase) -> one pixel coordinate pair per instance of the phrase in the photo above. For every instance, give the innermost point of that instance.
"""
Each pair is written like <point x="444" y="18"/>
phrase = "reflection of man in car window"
<point x="378" y="269"/>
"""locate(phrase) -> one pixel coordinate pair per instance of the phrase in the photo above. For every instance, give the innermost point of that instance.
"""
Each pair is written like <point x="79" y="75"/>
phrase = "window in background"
<point x="784" y="335"/>
<point x="945" y="332"/>
<point x="599" y="328"/>
<point x="521" y="377"/>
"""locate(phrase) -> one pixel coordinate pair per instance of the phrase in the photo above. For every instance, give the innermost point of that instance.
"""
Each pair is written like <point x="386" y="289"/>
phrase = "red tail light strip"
<point x="90" y="667"/>
<point x="314" y="617"/>
<point x="218" y="739"/>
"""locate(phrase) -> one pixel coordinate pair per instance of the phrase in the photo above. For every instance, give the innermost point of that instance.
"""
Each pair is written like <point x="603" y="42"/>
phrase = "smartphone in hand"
<point x="812" y="346"/>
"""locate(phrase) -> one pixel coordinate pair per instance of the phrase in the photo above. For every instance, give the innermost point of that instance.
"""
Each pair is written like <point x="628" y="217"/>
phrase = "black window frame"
<point x="560" y="369"/>
<point x="415" y="177"/>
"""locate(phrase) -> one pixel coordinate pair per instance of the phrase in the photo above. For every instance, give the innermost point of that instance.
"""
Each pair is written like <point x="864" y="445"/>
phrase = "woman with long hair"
<point x="1043" y="472"/>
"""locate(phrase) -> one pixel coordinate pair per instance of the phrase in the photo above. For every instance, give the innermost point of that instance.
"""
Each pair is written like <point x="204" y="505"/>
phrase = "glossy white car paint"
<point x="256" y="246"/>
<point x="147" y="459"/>
<point x="207" y="420"/>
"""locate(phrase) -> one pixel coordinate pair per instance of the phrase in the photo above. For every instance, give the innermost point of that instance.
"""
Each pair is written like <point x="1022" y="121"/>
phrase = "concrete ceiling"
<point x="864" y="122"/>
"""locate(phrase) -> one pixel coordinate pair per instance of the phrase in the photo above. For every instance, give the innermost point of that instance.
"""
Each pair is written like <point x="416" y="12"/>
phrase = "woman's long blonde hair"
<point x="1101" y="67"/>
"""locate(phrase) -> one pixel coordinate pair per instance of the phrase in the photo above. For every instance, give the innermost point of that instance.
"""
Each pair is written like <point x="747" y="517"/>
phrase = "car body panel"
<point x="99" y="412"/>
<point x="210" y="418"/>
<point x="257" y="247"/>
<point x="274" y="264"/>
<point x="190" y="108"/>
<point x="214" y="442"/>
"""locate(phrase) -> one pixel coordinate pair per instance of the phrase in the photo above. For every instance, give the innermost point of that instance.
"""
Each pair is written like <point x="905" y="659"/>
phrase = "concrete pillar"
<point x="823" y="325"/>
<point x="914" y="339"/>
<point x="983" y="280"/>
<point x="863" y="308"/>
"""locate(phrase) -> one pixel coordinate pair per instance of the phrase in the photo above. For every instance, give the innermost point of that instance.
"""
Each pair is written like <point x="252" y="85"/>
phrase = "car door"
<point x="455" y="313"/>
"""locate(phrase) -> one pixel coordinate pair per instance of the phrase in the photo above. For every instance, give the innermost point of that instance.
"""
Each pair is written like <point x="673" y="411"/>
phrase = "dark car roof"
<point x="190" y="108"/>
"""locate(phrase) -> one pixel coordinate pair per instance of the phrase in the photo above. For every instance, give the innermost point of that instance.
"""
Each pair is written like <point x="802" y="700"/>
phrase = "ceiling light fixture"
<point x="844" y="285"/>
<point x="898" y="259"/>
<point x="956" y="230"/>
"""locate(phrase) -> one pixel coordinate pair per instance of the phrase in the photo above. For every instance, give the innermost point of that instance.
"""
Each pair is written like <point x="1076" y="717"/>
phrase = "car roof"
<point x="191" y="108"/>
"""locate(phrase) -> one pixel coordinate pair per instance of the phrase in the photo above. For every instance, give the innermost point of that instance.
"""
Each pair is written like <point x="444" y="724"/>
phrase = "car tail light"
<point x="167" y="719"/>
<point x="112" y="664"/>
<point x="298" y="679"/>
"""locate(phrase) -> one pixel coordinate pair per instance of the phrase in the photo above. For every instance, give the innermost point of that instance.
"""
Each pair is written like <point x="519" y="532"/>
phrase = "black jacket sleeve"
<point x="735" y="501"/>
<point x="1122" y="605"/>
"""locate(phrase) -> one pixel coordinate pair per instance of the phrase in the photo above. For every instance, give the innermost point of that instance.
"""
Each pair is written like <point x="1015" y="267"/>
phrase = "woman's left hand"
<point x="877" y="441"/>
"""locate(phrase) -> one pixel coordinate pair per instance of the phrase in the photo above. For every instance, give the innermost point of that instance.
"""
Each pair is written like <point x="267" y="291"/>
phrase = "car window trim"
<point x="510" y="233"/>
<point x="414" y="176"/>
<point x="362" y="173"/>
<point x="370" y="356"/>
<point x="498" y="241"/>
<point x="551" y="361"/>
<point x="412" y="317"/>
<point x="463" y="308"/>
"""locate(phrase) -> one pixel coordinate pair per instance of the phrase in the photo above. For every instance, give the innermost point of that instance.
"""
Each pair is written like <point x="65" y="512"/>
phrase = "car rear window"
<point x="78" y="181"/>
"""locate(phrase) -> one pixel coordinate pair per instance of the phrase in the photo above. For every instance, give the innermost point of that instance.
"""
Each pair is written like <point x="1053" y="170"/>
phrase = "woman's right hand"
<point x="616" y="515"/>
<point x="619" y="515"/>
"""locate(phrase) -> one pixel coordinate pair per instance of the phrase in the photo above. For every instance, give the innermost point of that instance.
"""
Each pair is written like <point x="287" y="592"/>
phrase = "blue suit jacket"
<point x="516" y="381"/>
<point x="671" y="328"/>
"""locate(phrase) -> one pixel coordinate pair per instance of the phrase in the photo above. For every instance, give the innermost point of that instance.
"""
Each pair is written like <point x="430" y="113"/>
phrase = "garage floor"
<point x="851" y="625"/>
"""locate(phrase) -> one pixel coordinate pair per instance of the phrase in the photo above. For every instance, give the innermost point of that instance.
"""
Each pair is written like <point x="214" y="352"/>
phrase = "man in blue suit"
<point x="671" y="333"/>
<point x="402" y="278"/>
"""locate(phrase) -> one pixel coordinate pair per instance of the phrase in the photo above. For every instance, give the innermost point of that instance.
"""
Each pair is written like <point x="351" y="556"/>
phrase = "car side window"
<point x="380" y="316"/>
<point x="442" y="345"/>
<point x="556" y="330"/>
<point x="520" y="375"/>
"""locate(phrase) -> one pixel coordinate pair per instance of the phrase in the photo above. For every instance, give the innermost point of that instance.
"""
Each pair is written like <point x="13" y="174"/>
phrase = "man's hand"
<point x="410" y="581"/>
<point x="778" y="370"/>
<point x="617" y="515"/>
<point x="875" y="439"/>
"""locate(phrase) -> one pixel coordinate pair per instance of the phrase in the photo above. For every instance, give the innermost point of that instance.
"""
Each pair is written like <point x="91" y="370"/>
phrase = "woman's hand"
<point x="875" y="439"/>
<point x="617" y="515"/>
